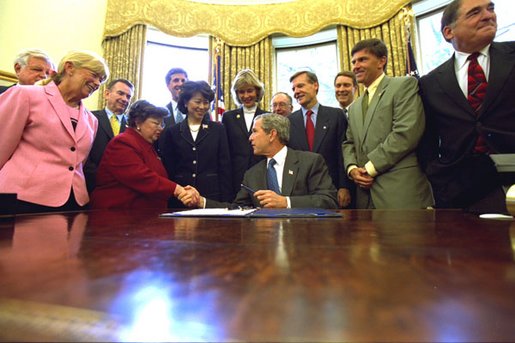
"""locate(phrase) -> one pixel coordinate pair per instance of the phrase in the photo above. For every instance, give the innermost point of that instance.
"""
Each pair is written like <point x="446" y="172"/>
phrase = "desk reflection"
<point x="369" y="276"/>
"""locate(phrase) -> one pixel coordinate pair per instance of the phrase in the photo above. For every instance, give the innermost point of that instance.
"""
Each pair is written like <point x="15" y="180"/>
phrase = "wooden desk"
<point x="369" y="276"/>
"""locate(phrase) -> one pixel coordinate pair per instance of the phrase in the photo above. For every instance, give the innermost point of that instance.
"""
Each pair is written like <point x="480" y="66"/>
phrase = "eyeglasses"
<point x="280" y="104"/>
<point x="157" y="124"/>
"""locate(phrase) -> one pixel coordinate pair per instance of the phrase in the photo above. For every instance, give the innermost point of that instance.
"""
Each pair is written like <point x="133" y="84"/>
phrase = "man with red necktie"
<point x="469" y="103"/>
<point x="320" y="129"/>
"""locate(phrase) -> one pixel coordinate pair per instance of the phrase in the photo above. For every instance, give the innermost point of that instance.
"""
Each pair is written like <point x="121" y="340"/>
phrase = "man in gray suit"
<point x="300" y="178"/>
<point x="385" y="126"/>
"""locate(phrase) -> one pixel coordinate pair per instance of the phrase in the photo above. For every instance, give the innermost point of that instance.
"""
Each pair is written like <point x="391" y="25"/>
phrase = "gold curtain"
<point x="258" y="57"/>
<point x="124" y="56"/>
<point x="393" y="33"/>
<point x="246" y="23"/>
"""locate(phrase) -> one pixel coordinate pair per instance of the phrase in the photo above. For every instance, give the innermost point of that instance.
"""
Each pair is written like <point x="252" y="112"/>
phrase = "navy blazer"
<point x="169" y="122"/>
<point x="203" y="163"/>
<point x="458" y="176"/>
<point x="103" y="136"/>
<point x="330" y="131"/>
<point x="242" y="154"/>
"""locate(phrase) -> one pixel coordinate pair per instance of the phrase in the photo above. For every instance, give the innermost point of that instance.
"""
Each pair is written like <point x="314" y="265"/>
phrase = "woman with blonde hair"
<point x="247" y="91"/>
<point x="47" y="134"/>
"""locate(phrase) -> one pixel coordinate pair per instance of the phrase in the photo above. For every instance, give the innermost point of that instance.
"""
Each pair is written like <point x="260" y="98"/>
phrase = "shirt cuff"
<point x="288" y="202"/>
<point x="351" y="167"/>
<point x="371" y="170"/>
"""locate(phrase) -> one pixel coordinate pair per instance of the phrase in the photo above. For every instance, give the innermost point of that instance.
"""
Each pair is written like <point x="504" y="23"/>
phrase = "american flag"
<point x="218" y="106"/>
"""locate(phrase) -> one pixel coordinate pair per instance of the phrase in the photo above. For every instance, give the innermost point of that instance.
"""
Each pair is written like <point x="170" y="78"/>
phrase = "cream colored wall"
<point x="55" y="26"/>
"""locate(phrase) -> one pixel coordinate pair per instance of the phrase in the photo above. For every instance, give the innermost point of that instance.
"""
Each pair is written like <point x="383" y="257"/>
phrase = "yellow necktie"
<point x="115" y="124"/>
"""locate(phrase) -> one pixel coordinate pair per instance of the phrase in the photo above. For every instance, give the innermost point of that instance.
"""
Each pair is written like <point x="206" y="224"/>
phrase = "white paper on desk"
<point x="504" y="162"/>
<point x="209" y="212"/>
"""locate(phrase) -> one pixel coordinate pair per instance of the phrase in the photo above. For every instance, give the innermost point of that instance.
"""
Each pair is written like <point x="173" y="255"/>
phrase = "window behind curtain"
<point x="317" y="53"/>
<point x="163" y="52"/>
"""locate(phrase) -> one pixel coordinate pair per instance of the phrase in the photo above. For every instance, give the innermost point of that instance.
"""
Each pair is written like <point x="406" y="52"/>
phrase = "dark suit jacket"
<point x="305" y="180"/>
<point x="4" y="88"/>
<point x="242" y="154"/>
<point x="329" y="136"/>
<point x="169" y="122"/>
<point x="103" y="136"/>
<point x="131" y="175"/>
<point x="204" y="163"/>
<point x="458" y="176"/>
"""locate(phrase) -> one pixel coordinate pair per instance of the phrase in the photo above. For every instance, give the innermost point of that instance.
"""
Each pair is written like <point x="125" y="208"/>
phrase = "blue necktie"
<point x="273" y="184"/>
<point x="178" y="117"/>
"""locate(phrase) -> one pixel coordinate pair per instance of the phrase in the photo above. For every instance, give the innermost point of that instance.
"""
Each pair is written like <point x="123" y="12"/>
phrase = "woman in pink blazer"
<point x="47" y="134"/>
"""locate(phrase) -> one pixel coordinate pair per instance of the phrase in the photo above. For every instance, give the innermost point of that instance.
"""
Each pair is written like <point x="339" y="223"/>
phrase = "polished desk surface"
<point x="369" y="276"/>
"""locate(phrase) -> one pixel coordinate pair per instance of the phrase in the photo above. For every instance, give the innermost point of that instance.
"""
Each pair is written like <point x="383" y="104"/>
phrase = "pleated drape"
<point x="393" y="33"/>
<point x="258" y="57"/>
<point x="124" y="56"/>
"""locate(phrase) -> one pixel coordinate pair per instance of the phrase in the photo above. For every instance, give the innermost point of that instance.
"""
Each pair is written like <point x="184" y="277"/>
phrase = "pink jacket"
<point x="41" y="156"/>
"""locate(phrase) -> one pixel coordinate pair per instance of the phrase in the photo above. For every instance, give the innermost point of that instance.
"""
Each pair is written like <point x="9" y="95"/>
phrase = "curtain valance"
<point x="244" y="25"/>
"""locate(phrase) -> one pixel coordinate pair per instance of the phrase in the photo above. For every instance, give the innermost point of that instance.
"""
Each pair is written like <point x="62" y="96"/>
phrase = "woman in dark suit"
<point x="47" y="134"/>
<point x="130" y="174"/>
<point x="196" y="151"/>
<point x="247" y="91"/>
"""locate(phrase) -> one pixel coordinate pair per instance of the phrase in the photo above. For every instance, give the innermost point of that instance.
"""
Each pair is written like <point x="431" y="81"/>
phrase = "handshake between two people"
<point x="190" y="197"/>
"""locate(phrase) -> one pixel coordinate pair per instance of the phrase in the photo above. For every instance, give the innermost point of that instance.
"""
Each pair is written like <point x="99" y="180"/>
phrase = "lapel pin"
<point x="238" y="116"/>
<point x="204" y="126"/>
<point x="325" y="127"/>
<point x="290" y="172"/>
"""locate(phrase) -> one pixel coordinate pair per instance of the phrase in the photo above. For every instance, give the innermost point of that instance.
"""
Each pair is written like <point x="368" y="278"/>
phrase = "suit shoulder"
<point x="98" y="113"/>
<point x="330" y="109"/>
<point x="508" y="47"/>
<point x="304" y="155"/>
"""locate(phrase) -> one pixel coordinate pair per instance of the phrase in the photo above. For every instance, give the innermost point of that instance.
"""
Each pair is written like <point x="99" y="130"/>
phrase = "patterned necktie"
<point x="271" y="177"/>
<point x="476" y="93"/>
<point x="476" y="83"/>
<point x="115" y="124"/>
<point x="178" y="117"/>
<point x="364" y="105"/>
<point x="310" y="130"/>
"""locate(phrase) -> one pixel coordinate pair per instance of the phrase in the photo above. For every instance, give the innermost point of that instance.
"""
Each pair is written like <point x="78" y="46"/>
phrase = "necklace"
<point x="192" y="130"/>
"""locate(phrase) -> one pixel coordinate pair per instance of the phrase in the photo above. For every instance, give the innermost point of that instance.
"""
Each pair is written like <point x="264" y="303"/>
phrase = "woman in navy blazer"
<point x="130" y="174"/>
<point x="247" y="90"/>
<point x="196" y="151"/>
<point x="47" y="134"/>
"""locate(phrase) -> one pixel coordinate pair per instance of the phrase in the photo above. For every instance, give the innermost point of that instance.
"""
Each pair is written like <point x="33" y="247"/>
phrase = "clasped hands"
<point x="361" y="177"/>
<point x="190" y="197"/>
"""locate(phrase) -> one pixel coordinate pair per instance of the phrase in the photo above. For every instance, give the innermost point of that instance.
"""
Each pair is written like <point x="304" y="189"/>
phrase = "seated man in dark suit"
<point x="292" y="179"/>
<point x="111" y="122"/>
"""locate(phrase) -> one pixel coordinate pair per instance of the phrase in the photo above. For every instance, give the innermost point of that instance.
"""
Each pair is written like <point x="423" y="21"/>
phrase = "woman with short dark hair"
<point x="196" y="151"/>
<point x="130" y="174"/>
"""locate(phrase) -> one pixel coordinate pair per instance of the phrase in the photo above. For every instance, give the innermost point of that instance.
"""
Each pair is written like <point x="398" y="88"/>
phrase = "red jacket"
<point x="131" y="175"/>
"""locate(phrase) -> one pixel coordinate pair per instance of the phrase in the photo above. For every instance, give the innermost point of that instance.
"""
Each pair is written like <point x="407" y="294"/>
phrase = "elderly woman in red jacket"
<point x="130" y="174"/>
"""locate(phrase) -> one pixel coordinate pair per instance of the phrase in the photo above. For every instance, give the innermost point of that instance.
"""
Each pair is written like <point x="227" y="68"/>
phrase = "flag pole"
<point x="217" y="75"/>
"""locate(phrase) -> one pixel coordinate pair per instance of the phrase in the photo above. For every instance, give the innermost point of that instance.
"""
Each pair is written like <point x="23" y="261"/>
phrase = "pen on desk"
<point x="248" y="189"/>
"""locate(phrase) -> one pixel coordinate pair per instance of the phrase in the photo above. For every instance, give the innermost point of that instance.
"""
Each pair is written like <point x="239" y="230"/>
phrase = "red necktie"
<point x="476" y="94"/>
<point x="310" y="130"/>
